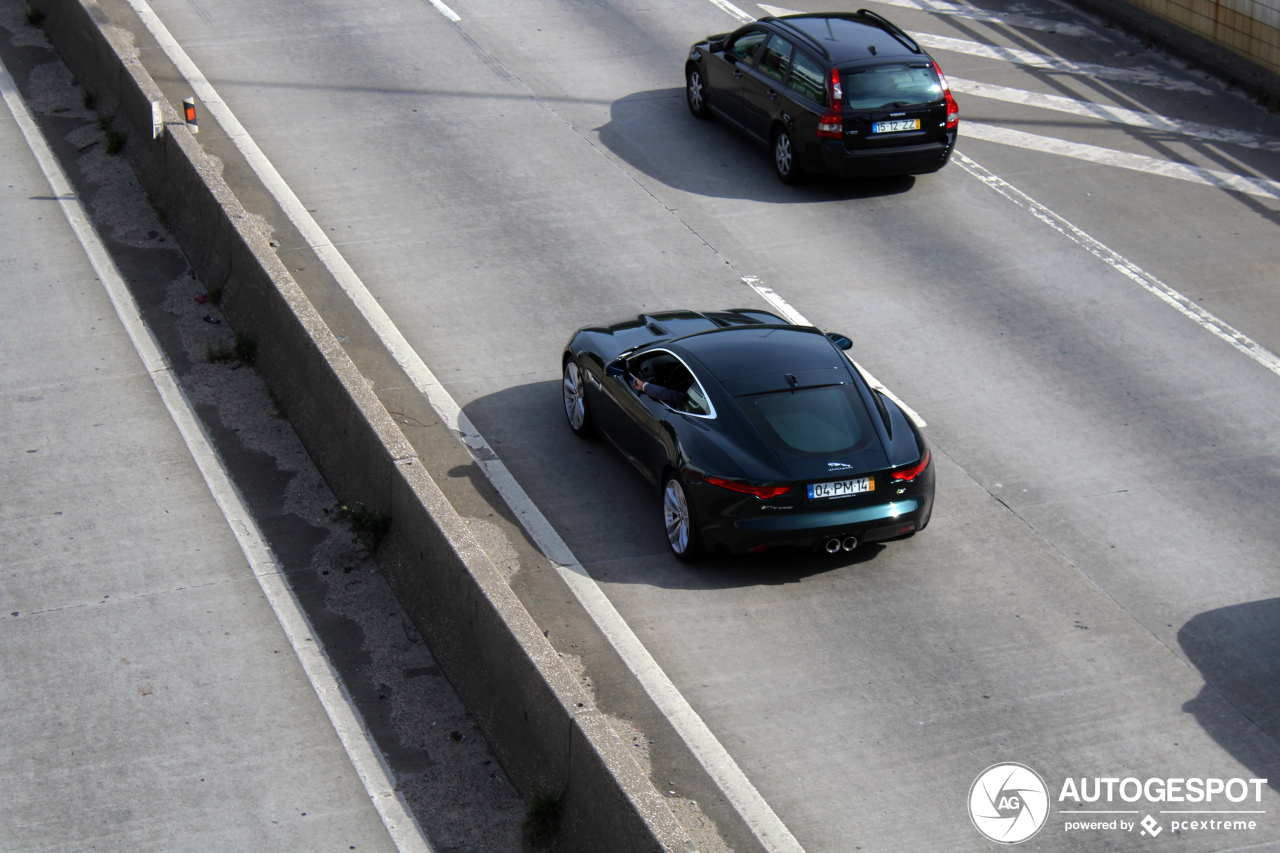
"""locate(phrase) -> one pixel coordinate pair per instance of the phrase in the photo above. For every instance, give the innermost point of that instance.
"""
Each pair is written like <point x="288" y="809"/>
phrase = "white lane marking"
<point x="936" y="7"/>
<point x="364" y="755"/>
<point x="1122" y="159"/>
<point x="711" y="754"/>
<point x="1125" y="267"/>
<point x="733" y="10"/>
<point x="1116" y="115"/>
<point x="445" y="10"/>
<point x="771" y="296"/>
<point x="1045" y="62"/>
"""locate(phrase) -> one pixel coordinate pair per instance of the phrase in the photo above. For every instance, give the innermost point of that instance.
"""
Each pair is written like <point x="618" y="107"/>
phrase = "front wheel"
<point x="784" y="157"/>
<point x="695" y="91"/>
<point x="574" y="393"/>
<point x="678" y="517"/>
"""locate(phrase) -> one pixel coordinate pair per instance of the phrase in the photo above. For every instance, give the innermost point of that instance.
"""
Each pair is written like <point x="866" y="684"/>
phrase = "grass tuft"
<point x="88" y="99"/>
<point x="543" y="818"/>
<point x="115" y="141"/>
<point x="246" y="348"/>
<point x="217" y="351"/>
<point x="367" y="525"/>
<point x="34" y="17"/>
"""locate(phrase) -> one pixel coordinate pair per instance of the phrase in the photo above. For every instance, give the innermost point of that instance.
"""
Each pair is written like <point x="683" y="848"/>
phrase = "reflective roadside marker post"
<point x="189" y="113"/>
<point x="157" y="120"/>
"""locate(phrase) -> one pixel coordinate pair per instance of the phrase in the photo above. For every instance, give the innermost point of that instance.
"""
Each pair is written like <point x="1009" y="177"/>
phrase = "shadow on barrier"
<point x="654" y="133"/>
<point x="608" y="513"/>
<point x="1237" y="650"/>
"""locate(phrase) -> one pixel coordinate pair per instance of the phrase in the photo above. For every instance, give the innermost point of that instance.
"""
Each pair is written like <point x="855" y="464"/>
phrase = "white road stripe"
<point x="1125" y="267"/>
<point x="364" y="755"/>
<point x="737" y="788"/>
<point x="936" y="7"/>
<point x="445" y="10"/>
<point x="733" y="10"/>
<point x="786" y="310"/>
<point x="1116" y="115"/>
<point x="1045" y="62"/>
<point x="1122" y="159"/>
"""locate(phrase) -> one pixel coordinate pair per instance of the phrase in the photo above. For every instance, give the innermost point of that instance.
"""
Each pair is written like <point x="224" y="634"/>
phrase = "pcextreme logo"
<point x="1009" y="803"/>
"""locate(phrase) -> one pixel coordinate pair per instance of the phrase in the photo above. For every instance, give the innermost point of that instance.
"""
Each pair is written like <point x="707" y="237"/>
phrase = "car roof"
<point x="741" y="352"/>
<point x="846" y="38"/>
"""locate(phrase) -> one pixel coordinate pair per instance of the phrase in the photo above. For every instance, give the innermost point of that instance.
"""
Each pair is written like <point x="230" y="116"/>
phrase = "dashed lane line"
<point x="1125" y="267"/>
<point x="710" y="753"/>
<point x="1261" y="187"/>
<point x="1115" y="115"/>
<point x="445" y="10"/>
<point x="363" y="753"/>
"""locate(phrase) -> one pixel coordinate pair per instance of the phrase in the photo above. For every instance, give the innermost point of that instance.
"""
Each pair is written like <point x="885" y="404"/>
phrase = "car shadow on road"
<point x="653" y="132"/>
<point x="1237" y="651"/>
<point x="608" y="514"/>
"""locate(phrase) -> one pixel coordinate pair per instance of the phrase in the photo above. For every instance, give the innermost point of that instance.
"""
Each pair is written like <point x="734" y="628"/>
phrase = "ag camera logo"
<point x="1008" y="803"/>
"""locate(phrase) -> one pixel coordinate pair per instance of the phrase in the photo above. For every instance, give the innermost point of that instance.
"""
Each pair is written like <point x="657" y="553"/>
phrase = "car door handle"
<point x="737" y="74"/>
<point x="773" y="96"/>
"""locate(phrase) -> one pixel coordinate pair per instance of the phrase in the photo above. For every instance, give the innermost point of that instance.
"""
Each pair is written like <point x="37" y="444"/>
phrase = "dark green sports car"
<point x="769" y="434"/>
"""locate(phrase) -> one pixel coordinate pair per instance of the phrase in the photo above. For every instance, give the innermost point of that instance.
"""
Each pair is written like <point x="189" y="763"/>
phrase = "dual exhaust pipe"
<point x="837" y="544"/>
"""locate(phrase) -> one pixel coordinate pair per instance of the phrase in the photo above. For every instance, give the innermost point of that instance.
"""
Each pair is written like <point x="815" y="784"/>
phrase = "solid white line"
<point x="1125" y="267"/>
<point x="445" y="10"/>
<point x="1023" y="22"/>
<point x="1116" y="115"/>
<point x="360" y="749"/>
<point x="1044" y="62"/>
<point x="1122" y="159"/>
<point x="737" y="788"/>
<point x="771" y="296"/>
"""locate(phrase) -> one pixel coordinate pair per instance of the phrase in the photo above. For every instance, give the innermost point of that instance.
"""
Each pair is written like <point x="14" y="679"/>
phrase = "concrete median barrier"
<point x="542" y="726"/>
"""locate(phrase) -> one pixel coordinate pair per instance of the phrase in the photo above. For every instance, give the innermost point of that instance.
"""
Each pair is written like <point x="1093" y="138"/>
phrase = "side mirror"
<point x="840" y="340"/>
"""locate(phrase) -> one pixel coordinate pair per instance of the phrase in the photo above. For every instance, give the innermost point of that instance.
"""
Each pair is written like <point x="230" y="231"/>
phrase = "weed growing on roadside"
<point x="34" y="17"/>
<point x="216" y="351"/>
<point x="104" y="123"/>
<point x="88" y="99"/>
<point x="246" y="348"/>
<point x="367" y="525"/>
<point x="115" y="141"/>
<point x="215" y="293"/>
<point x="543" y="818"/>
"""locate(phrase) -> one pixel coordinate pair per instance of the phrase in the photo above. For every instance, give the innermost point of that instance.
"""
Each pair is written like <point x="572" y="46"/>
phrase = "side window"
<point x="745" y="46"/>
<point x="807" y="79"/>
<point x="662" y="368"/>
<point x="776" y="58"/>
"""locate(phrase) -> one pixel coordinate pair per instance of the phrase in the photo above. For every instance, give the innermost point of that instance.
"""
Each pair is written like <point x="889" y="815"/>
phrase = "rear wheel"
<point x="695" y="91"/>
<point x="784" y="157"/>
<point x="677" y="516"/>
<point x="574" y="393"/>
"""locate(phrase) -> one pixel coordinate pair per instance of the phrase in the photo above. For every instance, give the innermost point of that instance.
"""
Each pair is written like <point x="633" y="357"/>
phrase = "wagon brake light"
<point x="906" y="475"/>
<point x="762" y="492"/>
<point x="831" y="125"/>
<point x="953" y="109"/>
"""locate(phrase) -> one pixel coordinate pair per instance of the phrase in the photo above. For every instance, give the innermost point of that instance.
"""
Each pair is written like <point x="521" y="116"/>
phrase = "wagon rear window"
<point x="890" y="85"/>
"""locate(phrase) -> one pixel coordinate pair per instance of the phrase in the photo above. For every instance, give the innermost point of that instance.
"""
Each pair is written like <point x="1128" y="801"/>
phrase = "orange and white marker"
<point x="189" y="113"/>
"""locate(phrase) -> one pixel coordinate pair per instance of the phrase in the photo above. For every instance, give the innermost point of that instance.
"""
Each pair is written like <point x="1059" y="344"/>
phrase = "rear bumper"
<point x="867" y="523"/>
<point x="838" y="160"/>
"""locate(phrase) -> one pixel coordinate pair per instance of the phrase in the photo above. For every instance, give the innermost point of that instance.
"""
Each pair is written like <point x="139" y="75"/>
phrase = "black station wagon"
<point x="832" y="93"/>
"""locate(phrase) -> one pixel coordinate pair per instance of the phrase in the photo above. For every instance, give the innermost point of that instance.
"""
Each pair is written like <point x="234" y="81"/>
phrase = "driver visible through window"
<point x="664" y="372"/>
<point x="744" y="49"/>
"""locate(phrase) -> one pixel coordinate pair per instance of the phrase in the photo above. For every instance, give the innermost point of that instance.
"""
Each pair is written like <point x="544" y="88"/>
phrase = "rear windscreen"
<point x="812" y="421"/>
<point x="890" y="86"/>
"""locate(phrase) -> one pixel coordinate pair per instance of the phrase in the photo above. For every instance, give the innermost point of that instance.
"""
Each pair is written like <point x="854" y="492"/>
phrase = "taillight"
<point x="906" y="475"/>
<point x="831" y="125"/>
<point x="762" y="492"/>
<point x="953" y="109"/>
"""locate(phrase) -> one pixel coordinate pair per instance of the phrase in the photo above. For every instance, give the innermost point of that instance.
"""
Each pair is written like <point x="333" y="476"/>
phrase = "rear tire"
<point x="573" y="391"/>
<point x="695" y="93"/>
<point x="784" y="157"/>
<point x="680" y="522"/>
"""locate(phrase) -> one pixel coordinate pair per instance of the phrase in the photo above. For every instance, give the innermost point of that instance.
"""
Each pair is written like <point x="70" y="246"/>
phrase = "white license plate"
<point x="841" y="488"/>
<point x="895" y="126"/>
